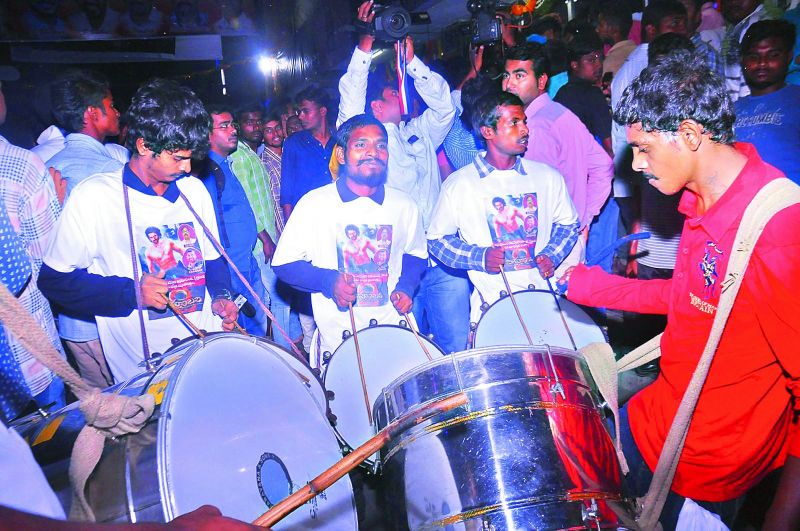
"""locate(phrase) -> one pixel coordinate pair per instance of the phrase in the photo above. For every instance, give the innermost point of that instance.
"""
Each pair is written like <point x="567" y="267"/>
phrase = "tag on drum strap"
<point x="49" y="430"/>
<point x="157" y="390"/>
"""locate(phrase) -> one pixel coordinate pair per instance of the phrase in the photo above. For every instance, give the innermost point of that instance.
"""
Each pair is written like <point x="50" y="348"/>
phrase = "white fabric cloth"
<point x="316" y="232"/>
<point x="694" y="518"/>
<point x="22" y="484"/>
<point x="633" y="66"/>
<point x="466" y="206"/>
<point x="413" y="166"/>
<point x="93" y="233"/>
<point x="50" y="142"/>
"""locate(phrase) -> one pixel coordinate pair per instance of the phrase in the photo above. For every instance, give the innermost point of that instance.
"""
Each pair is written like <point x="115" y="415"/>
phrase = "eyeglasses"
<point x="227" y="125"/>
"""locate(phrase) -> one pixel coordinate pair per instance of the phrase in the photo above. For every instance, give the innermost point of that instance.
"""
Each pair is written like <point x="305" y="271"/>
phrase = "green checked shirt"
<point x="250" y="171"/>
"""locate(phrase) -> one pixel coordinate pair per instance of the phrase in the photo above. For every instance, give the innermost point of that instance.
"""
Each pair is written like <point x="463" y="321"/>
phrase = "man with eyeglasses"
<point x="227" y="167"/>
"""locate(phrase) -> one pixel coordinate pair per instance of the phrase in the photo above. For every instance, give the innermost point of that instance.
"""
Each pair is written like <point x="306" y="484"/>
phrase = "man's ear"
<point x="377" y="107"/>
<point x="323" y="111"/>
<point x="141" y="148"/>
<point x="339" y="152"/>
<point x="650" y="32"/>
<point x="487" y="132"/>
<point x="691" y="134"/>
<point x="542" y="82"/>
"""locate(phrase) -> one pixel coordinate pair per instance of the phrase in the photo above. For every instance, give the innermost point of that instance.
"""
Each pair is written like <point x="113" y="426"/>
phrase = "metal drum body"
<point x="387" y="351"/>
<point x="238" y="425"/>
<point x="499" y="324"/>
<point x="529" y="451"/>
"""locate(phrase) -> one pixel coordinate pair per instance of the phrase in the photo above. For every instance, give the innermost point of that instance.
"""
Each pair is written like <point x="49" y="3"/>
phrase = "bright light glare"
<point x="267" y="65"/>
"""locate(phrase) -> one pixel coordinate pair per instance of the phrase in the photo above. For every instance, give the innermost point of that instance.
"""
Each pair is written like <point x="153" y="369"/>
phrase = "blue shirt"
<point x="772" y="123"/>
<point x="304" y="166"/>
<point x="82" y="157"/>
<point x="460" y="145"/>
<point x="235" y="218"/>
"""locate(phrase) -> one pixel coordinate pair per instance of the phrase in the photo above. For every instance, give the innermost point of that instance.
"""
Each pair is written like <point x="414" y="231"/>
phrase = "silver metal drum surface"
<point x="529" y="451"/>
<point x="237" y="425"/>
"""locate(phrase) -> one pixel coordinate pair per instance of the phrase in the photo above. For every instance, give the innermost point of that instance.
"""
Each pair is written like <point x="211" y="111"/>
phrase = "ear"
<point x="323" y="111"/>
<point x="339" y="152"/>
<point x="141" y="148"/>
<point x="377" y="107"/>
<point x="542" y="82"/>
<point x="692" y="134"/>
<point x="650" y="31"/>
<point x="487" y="132"/>
<point x="573" y="65"/>
<point x="89" y="115"/>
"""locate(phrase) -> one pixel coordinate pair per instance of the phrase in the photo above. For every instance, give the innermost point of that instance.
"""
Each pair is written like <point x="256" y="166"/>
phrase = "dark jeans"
<point x="638" y="481"/>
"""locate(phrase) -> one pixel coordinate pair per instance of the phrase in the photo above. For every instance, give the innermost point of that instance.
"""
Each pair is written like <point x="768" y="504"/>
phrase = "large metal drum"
<point x="239" y="424"/>
<point x="529" y="451"/>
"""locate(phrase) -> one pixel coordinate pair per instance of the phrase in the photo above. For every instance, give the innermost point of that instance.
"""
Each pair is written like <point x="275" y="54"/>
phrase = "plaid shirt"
<point x="30" y="199"/>
<point x="272" y="163"/>
<point x="454" y="252"/>
<point x="254" y="178"/>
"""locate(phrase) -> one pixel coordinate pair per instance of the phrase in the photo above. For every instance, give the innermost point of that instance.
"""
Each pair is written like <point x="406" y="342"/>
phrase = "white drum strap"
<point x="107" y="415"/>
<point x="771" y="199"/>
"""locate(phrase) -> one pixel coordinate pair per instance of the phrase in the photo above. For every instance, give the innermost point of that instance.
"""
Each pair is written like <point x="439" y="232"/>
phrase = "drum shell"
<point x="129" y="483"/>
<point x="520" y="456"/>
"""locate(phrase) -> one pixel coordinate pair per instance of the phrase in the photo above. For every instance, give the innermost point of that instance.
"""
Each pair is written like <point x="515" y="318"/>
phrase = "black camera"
<point x="486" y="28"/>
<point x="391" y="23"/>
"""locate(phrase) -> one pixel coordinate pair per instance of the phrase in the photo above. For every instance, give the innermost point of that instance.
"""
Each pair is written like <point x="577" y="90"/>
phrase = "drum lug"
<point x="484" y="307"/>
<point x="403" y="323"/>
<point x="558" y="389"/>
<point x="346" y="334"/>
<point x="326" y="356"/>
<point x="591" y="515"/>
<point x="373" y="322"/>
<point x="503" y="294"/>
<point x="531" y="287"/>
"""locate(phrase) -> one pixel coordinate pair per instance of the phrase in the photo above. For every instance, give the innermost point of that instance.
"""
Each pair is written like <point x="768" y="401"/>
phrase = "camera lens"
<point x="397" y="22"/>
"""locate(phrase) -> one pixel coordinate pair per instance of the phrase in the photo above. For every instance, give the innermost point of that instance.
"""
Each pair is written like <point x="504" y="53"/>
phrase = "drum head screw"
<point x="403" y="323"/>
<point x="346" y="334"/>
<point x="373" y="322"/>
<point x="503" y="294"/>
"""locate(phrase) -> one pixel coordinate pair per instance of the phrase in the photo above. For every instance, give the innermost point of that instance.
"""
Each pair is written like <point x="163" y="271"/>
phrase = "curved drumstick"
<point x="416" y="334"/>
<point x="352" y="460"/>
<point x="360" y="364"/>
<point x="514" y="303"/>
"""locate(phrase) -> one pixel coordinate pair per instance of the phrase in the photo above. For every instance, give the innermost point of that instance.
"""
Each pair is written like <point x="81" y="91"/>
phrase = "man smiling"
<point x="90" y="267"/>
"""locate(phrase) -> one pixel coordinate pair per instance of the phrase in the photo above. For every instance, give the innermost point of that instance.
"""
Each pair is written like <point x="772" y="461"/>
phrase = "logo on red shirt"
<point x="708" y="268"/>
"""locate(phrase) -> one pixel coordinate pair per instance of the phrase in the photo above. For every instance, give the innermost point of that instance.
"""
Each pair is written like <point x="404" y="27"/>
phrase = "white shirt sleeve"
<point x="353" y="87"/>
<point x="437" y="119"/>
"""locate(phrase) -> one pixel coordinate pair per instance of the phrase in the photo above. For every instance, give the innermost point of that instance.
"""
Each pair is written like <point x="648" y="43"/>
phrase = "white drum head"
<point x="242" y="432"/>
<point x="499" y="325"/>
<point x="387" y="352"/>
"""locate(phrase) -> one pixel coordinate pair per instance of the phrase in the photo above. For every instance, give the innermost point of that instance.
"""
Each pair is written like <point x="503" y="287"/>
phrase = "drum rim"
<point x="562" y="300"/>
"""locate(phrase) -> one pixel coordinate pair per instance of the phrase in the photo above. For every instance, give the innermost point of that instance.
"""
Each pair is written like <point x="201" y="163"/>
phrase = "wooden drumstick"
<point x="514" y="303"/>
<point x="199" y="333"/>
<point x="352" y="460"/>
<point x="416" y="334"/>
<point x="360" y="364"/>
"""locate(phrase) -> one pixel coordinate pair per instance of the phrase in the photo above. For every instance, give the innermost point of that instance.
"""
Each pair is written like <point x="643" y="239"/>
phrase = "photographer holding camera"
<point x="443" y="297"/>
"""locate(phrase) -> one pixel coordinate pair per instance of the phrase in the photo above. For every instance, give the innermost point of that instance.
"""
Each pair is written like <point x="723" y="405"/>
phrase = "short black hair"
<point x="486" y="112"/>
<point x="549" y="22"/>
<point x="666" y="44"/>
<point x="314" y="94"/>
<point x="218" y="107"/>
<point x="376" y="84"/>
<point x="75" y="91"/>
<point x="272" y="116"/>
<point x="534" y="52"/>
<point x="250" y="106"/>
<point x="658" y="10"/>
<point x="764" y="29"/>
<point x="472" y="91"/>
<point x="168" y="116"/>
<point x="619" y="16"/>
<point x="358" y="121"/>
<point x="680" y="86"/>
<point x="583" y="44"/>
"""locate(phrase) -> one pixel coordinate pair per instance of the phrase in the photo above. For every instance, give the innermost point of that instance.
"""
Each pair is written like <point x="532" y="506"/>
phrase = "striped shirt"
<point x="254" y="178"/>
<point x="30" y="199"/>
<point x="272" y="162"/>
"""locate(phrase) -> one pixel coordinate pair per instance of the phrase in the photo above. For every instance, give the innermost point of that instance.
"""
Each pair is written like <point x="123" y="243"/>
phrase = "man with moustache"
<point x="239" y="230"/>
<point x="462" y="235"/>
<point x="90" y="268"/>
<point x="310" y="254"/>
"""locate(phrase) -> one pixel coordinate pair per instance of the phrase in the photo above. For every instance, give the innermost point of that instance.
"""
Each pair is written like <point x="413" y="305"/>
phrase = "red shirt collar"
<point x="729" y="209"/>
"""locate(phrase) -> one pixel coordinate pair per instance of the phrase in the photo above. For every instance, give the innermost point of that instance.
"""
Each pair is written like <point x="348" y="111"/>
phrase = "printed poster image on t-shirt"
<point x="514" y="226"/>
<point x="173" y="250"/>
<point x="363" y="252"/>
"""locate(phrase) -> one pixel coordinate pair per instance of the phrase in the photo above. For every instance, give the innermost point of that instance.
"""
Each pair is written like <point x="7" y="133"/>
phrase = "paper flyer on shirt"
<point x="514" y="225"/>
<point x="363" y="252"/>
<point x="173" y="250"/>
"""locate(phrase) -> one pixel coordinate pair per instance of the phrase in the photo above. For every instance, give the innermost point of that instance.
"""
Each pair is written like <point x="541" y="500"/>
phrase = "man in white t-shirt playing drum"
<point x="472" y="227"/>
<point x="109" y="224"/>
<point x="315" y="253"/>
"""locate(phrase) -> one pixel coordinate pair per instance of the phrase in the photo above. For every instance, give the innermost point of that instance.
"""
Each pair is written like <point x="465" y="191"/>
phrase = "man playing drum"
<point x="742" y="426"/>
<point x="111" y="220"/>
<point x="469" y="229"/>
<point x="313" y="255"/>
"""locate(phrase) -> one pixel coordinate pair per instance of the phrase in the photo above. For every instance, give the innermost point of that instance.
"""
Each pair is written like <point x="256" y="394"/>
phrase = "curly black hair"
<point x="679" y="87"/>
<point x="168" y="117"/>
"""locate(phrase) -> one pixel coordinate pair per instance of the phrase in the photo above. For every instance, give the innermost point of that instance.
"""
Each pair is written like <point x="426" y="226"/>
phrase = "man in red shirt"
<point x="680" y="120"/>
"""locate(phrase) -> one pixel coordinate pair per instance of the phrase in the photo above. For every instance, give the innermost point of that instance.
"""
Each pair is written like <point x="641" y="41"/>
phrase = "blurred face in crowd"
<point x="693" y="16"/>
<point x="366" y="155"/>
<point x="605" y="31"/>
<point x="293" y="125"/>
<point x="510" y="135"/>
<point x="250" y="126"/>
<point x="157" y="171"/>
<point x="273" y="134"/>
<point x="311" y="115"/>
<point x="734" y="11"/>
<point x="387" y="109"/>
<point x="223" y="137"/>
<point x="105" y="119"/>
<point x="765" y="65"/>
<point x="520" y="79"/>
<point x="589" y="67"/>
<point x="669" y="24"/>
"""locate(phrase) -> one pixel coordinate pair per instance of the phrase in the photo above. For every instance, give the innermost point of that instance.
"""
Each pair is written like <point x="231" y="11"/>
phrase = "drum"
<point x="499" y="324"/>
<point x="530" y="450"/>
<point x="237" y="424"/>
<point x="387" y="351"/>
